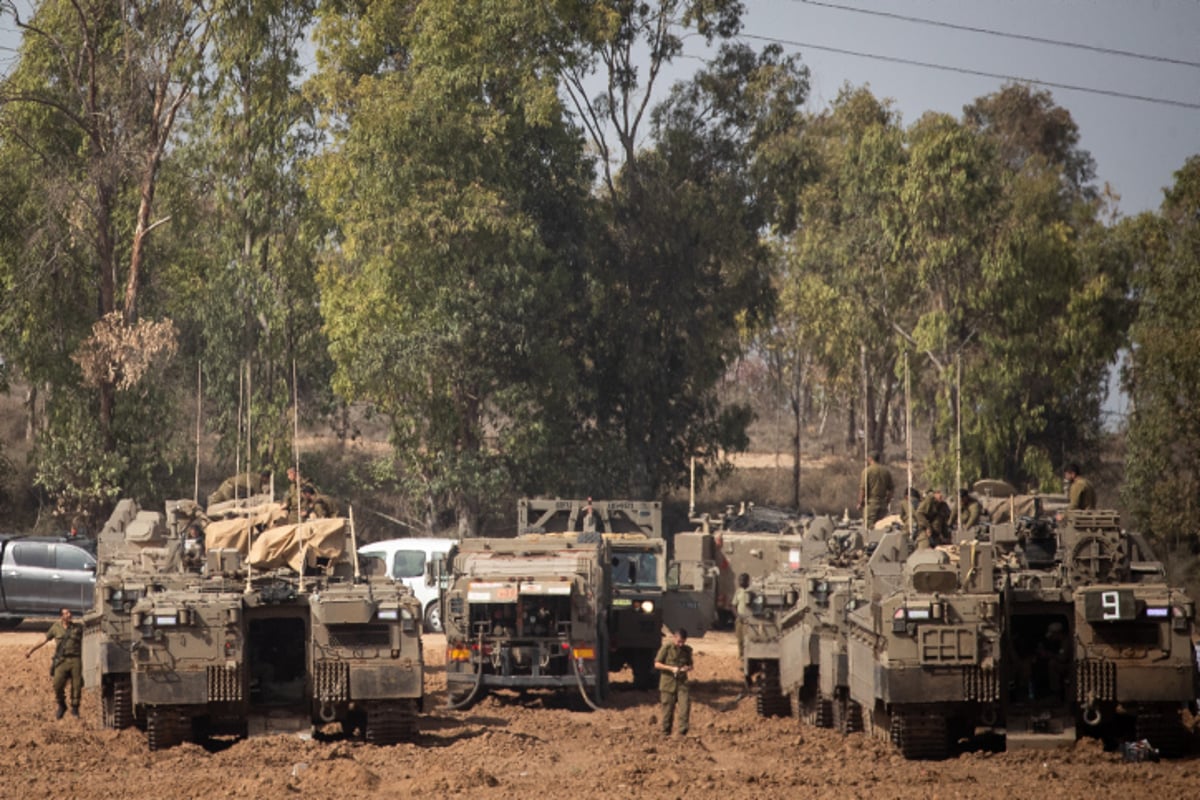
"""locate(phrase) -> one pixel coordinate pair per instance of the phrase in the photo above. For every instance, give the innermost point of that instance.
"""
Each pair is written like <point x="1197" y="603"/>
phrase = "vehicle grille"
<point x="1095" y="680"/>
<point x="331" y="681"/>
<point x="224" y="685"/>
<point x="981" y="684"/>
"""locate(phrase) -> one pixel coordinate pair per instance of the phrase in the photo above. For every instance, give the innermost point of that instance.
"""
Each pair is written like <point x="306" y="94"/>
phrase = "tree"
<point x="245" y="273"/>
<point x="454" y="189"/>
<point x="1163" y="376"/>
<point x="91" y="108"/>
<point x="843" y="290"/>
<point x="684" y="271"/>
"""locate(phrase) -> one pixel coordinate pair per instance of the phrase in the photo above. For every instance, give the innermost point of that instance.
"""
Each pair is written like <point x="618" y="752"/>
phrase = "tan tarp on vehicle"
<point x="295" y="545"/>
<point x="234" y="534"/>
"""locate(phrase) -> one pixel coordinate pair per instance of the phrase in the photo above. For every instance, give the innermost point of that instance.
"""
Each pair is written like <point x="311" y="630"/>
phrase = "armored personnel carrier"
<point x="280" y="632"/>
<point x="793" y="651"/>
<point x="742" y="540"/>
<point x="923" y="645"/>
<point x="527" y="613"/>
<point x="1098" y="642"/>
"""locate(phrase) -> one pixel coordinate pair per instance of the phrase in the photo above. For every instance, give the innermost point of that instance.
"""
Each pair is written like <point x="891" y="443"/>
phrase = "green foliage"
<point x="454" y="187"/>
<point x="1163" y="375"/>
<point x="972" y="245"/>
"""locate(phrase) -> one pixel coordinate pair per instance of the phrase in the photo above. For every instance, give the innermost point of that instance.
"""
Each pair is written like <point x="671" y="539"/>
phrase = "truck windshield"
<point x="635" y="569"/>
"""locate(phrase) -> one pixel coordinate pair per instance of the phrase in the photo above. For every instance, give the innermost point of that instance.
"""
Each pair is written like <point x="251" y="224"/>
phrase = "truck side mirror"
<point x="673" y="576"/>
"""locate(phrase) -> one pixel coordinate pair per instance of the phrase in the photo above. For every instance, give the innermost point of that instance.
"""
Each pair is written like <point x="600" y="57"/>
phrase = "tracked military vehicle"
<point x="137" y="552"/>
<point x="794" y="653"/>
<point x="1098" y="642"/>
<point x="742" y="540"/>
<point x="280" y="632"/>
<point x="527" y="613"/>
<point x="923" y="645"/>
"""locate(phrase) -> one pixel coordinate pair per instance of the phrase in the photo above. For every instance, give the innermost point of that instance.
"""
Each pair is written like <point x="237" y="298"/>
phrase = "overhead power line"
<point x="1004" y="34"/>
<point x="965" y="71"/>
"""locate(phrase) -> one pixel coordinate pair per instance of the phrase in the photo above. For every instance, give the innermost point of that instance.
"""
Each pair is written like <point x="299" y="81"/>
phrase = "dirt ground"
<point x="507" y="746"/>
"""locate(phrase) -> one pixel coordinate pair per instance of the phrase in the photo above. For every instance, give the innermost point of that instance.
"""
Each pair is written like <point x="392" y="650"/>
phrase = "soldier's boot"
<point x="75" y="711"/>
<point x="62" y="709"/>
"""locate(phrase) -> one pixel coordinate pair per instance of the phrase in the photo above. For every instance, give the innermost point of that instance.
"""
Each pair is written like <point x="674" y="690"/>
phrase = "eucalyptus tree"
<point x="1163" y="374"/>
<point x="247" y="298"/>
<point x="454" y="190"/>
<point x="86" y="123"/>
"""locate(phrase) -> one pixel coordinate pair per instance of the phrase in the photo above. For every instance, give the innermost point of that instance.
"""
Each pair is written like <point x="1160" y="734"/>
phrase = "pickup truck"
<point x="40" y="575"/>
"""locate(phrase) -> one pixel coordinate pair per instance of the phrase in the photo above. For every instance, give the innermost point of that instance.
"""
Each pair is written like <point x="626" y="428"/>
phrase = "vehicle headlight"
<point x="166" y="620"/>
<point x="647" y="606"/>
<point x="390" y="614"/>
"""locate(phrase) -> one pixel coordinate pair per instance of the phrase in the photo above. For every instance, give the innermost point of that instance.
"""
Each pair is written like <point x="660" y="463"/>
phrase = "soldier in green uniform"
<point x="314" y="505"/>
<point x="875" y="489"/>
<point x="674" y="662"/>
<point x="244" y="485"/>
<point x="933" y="520"/>
<point x="741" y="610"/>
<point x="1080" y="494"/>
<point x="68" y="661"/>
<point x="293" y="503"/>
<point x="967" y="511"/>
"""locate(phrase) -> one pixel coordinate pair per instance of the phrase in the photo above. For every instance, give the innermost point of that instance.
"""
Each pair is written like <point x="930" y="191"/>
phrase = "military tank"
<point x="278" y="632"/>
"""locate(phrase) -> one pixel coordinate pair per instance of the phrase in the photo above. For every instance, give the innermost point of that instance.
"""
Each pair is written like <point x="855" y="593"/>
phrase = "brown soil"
<point x="512" y="747"/>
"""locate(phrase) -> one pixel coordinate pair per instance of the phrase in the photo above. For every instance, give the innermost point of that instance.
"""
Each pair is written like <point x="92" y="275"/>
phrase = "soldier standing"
<point x="674" y="662"/>
<point x="741" y="610"/>
<point x="1080" y="494"/>
<point x="68" y="661"/>
<point x="875" y="489"/>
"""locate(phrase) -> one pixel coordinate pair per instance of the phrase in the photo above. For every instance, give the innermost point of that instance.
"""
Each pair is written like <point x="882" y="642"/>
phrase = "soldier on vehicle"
<point x="674" y="662"/>
<point x="67" y="663"/>
<point x="1080" y="494"/>
<point x="908" y="509"/>
<point x="967" y="511"/>
<point x="244" y="485"/>
<point x="314" y="505"/>
<point x="933" y="520"/>
<point x="292" y="502"/>
<point x="875" y="489"/>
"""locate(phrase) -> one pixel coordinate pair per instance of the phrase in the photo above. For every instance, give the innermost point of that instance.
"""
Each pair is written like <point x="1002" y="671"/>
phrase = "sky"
<point x="1137" y="144"/>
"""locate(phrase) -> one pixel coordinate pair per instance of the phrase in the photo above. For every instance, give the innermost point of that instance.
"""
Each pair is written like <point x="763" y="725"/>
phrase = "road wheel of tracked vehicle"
<point x="771" y="701"/>
<point x="391" y="721"/>
<point x="821" y="713"/>
<point x="920" y="736"/>
<point x="166" y="726"/>
<point x="847" y="716"/>
<point x="1163" y="728"/>
<point x="433" y="617"/>
<point x="116" y="702"/>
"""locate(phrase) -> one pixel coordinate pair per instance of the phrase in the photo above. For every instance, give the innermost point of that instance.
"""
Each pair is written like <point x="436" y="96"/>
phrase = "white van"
<point x="405" y="560"/>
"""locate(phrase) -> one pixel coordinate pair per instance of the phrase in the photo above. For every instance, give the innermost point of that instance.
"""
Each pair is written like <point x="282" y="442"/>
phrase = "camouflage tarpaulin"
<point x="293" y="545"/>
